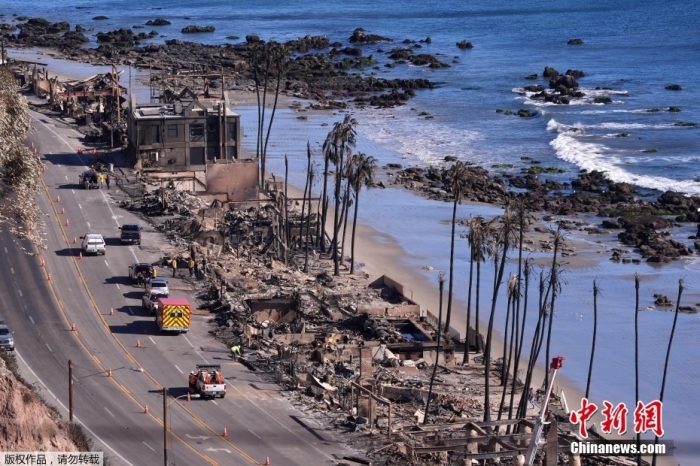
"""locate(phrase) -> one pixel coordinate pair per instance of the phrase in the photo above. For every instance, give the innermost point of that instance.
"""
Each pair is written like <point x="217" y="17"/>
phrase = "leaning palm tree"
<point x="508" y="347"/>
<point x="504" y="239"/>
<point x="527" y="269"/>
<point x="668" y="354"/>
<point x="636" y="355"/>
<point x="441" y="282"/>
<point x="596" y="292"/>
<point x="362" y="175"/>
<point x="343" y="143"/>
<point x="554" y="286"/>
<point x="458" y="176"/>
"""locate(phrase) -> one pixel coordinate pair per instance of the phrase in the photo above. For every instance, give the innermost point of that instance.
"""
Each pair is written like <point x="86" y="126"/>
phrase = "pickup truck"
<point x="88" y="179"/>
<point x="149" y="302"/>
<point x="131" y="233"/>
<point x="93" y="243"/>
<point x="139" y="272"/>
<point x="208" y="381"/>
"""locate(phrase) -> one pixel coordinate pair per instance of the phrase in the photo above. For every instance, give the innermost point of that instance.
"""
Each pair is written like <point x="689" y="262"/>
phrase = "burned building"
<point x="192" y="144"/>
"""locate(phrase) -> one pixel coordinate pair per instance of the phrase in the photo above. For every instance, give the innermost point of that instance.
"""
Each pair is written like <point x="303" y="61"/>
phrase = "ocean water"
<point x="631" y="52"/>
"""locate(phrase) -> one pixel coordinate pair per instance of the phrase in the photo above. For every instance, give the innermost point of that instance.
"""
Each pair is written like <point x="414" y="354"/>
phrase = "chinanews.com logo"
<point x="646" y="418"/>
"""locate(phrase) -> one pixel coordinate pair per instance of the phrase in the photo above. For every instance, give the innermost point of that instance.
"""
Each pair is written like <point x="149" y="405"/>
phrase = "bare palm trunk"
<point x="452" y="261"/>
<point x="476" y="308"/>
<point x="595" y="330"/>
<point x="308" y="215"/>
<point x="504" y="364"/>
<point x="437" y="357"/>
<point x="272" y="115"/>
<point x="521" y="341"/>
<point x="636" y="356"/>
<point x="336" y="213"/>
<point x="553" y="288"/>
<point x="465" y="359"/>
<point x="352" y="235"/>
<point x="324" y="215"/>
<point x="534" y="351"/>
<point x="346" y="208"/>
<point x="286" y="211"/>
<point x="303" y="202"/>
<point x="668" y="354"/>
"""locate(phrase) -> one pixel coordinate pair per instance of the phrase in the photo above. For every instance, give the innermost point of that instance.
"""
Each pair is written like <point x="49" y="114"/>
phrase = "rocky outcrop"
<point x="575" y="42"/>
<point x="306" y="43"/>
<point x="118" y="38"/>
<point x="674" y="87"/>
<point x="464" y="45"/>
<point x="360" y="37"/>
<point x="643" y="232"/>
<point x="549" y="72"/>
<point x="158" y="22"/>
<point x="193" y="29"/>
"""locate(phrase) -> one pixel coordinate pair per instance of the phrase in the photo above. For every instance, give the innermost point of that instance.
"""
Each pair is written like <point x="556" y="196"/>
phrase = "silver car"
<point x="158" y="286"/>
<point x="93" y="243"/>
<point x="7" y="341"/>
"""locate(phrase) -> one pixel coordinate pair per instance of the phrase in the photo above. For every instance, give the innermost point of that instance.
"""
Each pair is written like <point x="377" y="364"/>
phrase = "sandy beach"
<point x="379" y="252"/>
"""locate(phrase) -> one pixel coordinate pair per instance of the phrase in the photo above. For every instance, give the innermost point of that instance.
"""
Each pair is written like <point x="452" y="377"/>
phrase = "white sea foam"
<point x="593" y="156"/>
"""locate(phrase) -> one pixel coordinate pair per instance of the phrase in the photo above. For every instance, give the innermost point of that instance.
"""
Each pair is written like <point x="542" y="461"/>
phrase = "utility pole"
<point x="165" y="425"/>
<point x="70" y="391"/>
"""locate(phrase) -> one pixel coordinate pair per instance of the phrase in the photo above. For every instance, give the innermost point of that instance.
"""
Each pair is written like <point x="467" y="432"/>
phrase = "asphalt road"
<point x="259" y="422"/>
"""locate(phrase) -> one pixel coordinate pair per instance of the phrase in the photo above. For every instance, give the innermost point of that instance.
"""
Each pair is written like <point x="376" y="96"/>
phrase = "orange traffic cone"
<point x="109" y="373"/>
<point x="49" y="279"/>
<point x="63" y="211"/>
<point x="225" y="434"/>
<point x="267" y="461"/>
<point x="80" y="255"/>
<point x="58" y="198"/>
<point x="138" y="343"/>
<point x="188" y="396"/>
<point x="72" y="327"/>
<point x="43" y="264"/>
<point x="75" y="240"/>
<point x="67" y="222"/>
<point x="111" y="311"/>
<point x="145" y="409"/>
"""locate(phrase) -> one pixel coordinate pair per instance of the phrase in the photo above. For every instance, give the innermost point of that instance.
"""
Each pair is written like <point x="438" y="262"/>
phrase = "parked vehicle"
<point x="149" y="302"/>
<point x="93" y="243"/>
<point x="131" y="233"/>
<point x="140" y="272"/>
<point x="158" y="286"/>
<point x="173" y="315"/>
<point x="208" y="381"/>
<point x="7" y="340"/>
<point x="88" y="179"/>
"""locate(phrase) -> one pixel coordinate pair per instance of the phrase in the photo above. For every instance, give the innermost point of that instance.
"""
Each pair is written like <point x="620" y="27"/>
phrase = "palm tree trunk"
<point x="487" y="353"/>
<point x="519" y="352"/>
<point x="437" y="356"/>
<point x="262" y="127"/>
<point x="324" y="215"/>
<point x="286" y="211"/>
<point x="303" y="202"/>
<point x="534" y="352"/>
<point x="308" y="218"/>
<point x="274" y="108"/>
<point x="352" y="235"/>
<point x="465" y="359"/>
<point x="553" y="288"/>
<point x="346" y="207"/>
<point x="476" y="308"/>
<point x="336" y="212"/>
<point x="595" y="330"/>
<point x="668" y="354"/>
<point x="504" y="364"/>
<point x="636" y="356"/>
<point x="452" y="261"/>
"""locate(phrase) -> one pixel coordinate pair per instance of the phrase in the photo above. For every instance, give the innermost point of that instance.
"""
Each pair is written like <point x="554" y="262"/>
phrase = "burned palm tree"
<point x="636" y="356"/>
<point x="473" y="238"/>
<point x="311" y="174"/>
<point x="508" y="346"/>
<point x="503" y="242"/>
<point x="554" y="287"/>
<point x="668" y="355"/>
<point x="527" y="271"/>
<point x="458" y="176"/>
<point x="441" y="283"/>
<point x="596" y="292"/>
<point x="362" y="175"/>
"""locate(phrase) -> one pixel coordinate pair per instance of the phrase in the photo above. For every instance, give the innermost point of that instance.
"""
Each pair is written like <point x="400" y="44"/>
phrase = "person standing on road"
<point x="173" y="264"/>
<point x="190" y="266"/>
<point x="235" y="352"/>
<point x="107" y="180"/>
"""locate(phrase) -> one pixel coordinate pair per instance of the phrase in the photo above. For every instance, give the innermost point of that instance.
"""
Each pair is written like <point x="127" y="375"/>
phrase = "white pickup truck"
<point x="208" y="381"/>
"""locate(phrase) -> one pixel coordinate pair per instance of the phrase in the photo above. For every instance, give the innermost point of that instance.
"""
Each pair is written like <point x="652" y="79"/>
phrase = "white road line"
<point x="154" y="342"/>
<point x="106" y="263"/>
<point x="254" y="434"/>
<point x="73" y="191"/>
<point x="195" y="349"/>
<point x="118" y="287"/>
<point x="149" y="447"/>
<point x="66" y="176"/>
<point x="66" y="409"/>
<point x="80" y="206"/>
<point x="130" y="311"/>
<point x="88" y="224"/>
<point x="20" y="293"/>
<point x="179" y="369"/>
<point x="47" y="345"/>
<point x="110" y="412"/>
<point x="5" y="250"/>
<point x="213" y="401"/>
<point x="12" y="270"/>
<point x="30" y="318"/>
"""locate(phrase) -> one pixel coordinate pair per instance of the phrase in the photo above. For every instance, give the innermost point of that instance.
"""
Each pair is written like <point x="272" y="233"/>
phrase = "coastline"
<point x="381" y="255"/>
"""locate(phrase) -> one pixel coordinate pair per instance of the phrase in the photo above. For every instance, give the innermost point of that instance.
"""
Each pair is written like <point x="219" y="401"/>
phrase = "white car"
<point x="93" y="243"/>
<point x="158" y="286"/>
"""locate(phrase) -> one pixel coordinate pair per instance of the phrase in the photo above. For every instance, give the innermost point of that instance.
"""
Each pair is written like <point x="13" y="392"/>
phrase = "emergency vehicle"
<point x="173" y="315"/>
<point x="208" y="381"/>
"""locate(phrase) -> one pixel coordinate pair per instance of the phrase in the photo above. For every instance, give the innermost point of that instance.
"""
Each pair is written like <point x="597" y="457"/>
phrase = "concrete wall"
<point x="237" y="179"/>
